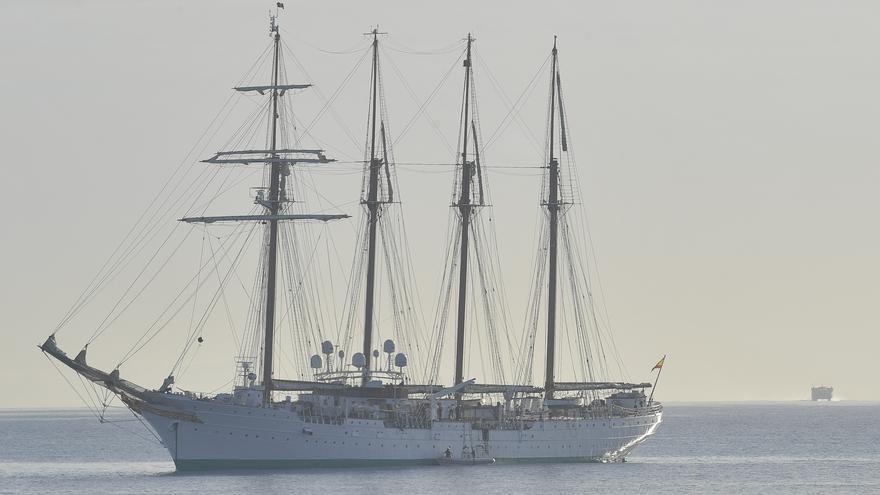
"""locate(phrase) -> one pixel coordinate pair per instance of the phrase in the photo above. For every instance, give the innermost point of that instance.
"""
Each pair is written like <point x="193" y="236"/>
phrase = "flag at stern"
<point x="659" y="365"/>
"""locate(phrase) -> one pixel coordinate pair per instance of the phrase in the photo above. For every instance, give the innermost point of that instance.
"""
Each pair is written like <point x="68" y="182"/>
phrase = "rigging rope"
<point x="427" y="101"/>
<point x="423" y="105"/>
<point x="515" y="107"/>
<point x="100" y="280"/>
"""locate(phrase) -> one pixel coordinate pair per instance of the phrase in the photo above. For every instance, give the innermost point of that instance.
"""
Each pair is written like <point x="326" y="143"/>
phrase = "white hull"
<point x="230" y="436"/>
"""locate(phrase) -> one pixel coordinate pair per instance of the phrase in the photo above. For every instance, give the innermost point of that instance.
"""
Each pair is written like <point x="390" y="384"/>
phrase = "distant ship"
<point x="367" y="410"/>
<point x="821" y="393"/>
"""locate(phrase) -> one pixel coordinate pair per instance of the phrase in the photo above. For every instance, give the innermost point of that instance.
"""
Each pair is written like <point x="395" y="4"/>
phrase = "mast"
<point x="273" y="208"/>
<point x="373" y="210"/>
<point x="553" y="210"/>
<point x="464" y="207"/>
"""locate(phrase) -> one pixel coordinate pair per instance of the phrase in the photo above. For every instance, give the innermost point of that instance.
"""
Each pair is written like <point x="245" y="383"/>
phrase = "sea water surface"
<point x="795" y="447"/>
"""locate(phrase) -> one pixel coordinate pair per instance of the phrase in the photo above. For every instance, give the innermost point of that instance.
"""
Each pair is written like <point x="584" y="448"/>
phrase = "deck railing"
<point x="509" y="422"/>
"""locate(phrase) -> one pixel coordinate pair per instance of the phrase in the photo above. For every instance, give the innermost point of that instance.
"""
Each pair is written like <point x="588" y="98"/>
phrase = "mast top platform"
<point x="281" y="88"/>
<point x="285" y="156"/>
<point x="273" y="19"/>
<point x="375" y="32"/>
<point x="273" y="23"/>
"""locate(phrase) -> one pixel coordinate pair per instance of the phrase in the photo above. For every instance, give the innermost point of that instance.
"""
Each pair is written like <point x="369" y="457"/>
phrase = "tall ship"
<point x="365" y="387"/>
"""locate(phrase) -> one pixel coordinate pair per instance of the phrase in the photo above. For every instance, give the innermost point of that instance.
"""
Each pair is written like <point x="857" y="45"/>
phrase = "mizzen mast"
<point x="552" y="204"/>
<point x="373" y="204"/>
<point x="480" y="316"/>
<point x="465" y="208"/>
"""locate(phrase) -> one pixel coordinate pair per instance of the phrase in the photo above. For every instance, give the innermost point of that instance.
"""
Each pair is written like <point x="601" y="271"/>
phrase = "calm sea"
<point x="796" y="448"/>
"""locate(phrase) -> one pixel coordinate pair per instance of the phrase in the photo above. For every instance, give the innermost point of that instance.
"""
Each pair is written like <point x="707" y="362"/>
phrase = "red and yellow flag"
<point x="659" y="364"/>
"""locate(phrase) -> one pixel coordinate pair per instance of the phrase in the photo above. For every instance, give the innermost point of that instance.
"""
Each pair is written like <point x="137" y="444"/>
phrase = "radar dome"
<point x="327" y="347"/>
<point x="358" y="360"/>
<point x="400" y="360"/>
<point x="316" y="362"/>
<point x="388" y="346"/>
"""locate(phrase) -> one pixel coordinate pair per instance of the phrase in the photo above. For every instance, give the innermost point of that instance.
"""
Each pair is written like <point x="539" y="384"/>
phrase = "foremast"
<point x="279" y="160"/>
<point x="272" y="208"/>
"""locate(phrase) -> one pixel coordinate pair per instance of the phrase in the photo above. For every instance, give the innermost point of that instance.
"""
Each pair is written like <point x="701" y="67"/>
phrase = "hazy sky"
<point x="727" y="155"/>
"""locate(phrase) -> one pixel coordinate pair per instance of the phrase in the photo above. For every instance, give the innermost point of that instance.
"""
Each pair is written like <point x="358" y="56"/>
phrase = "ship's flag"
<point x="659" y="365"/>
<point x="279" y="5"/>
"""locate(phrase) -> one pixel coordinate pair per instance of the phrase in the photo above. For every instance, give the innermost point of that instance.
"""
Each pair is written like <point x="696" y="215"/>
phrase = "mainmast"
<point x="280" y="159"/>
<point x="272" y="207"/>
<point x="553" y="209"/>
<point x="373" y="212"/>
<point x="465" y="208"/>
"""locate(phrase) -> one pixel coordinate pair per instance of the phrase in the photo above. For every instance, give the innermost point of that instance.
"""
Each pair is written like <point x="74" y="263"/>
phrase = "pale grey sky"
<point x="727" y="154"/>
